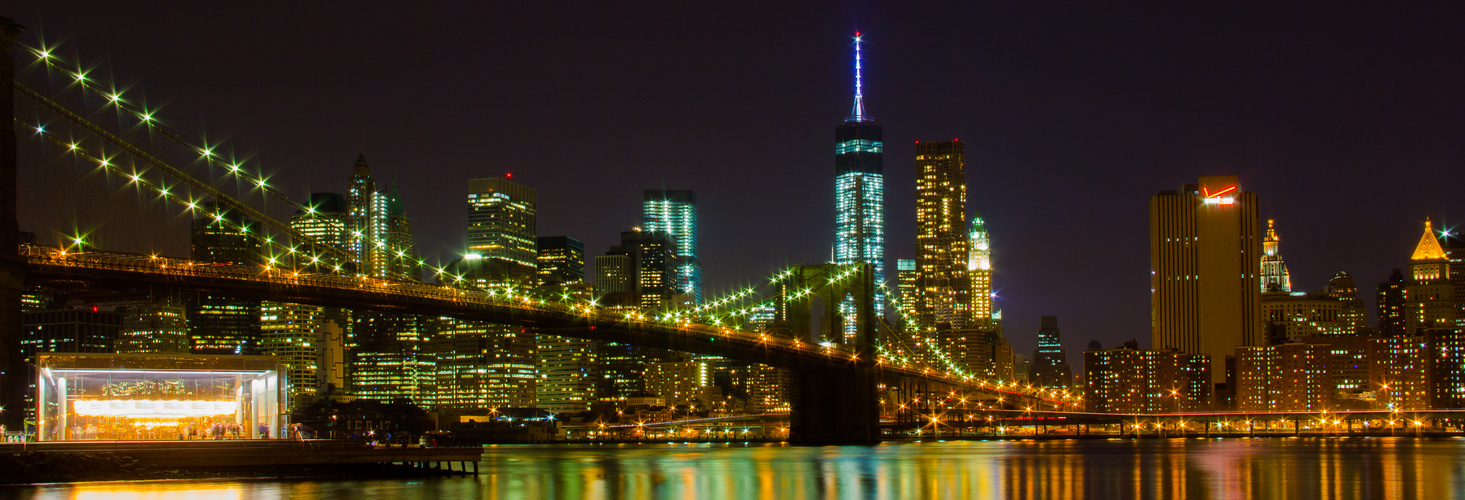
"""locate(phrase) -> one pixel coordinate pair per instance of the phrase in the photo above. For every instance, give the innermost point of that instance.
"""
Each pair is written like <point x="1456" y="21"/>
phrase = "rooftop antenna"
<point x="858" y="113"/>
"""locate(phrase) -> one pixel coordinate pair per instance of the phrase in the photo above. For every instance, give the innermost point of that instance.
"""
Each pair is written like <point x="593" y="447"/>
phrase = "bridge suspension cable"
<point x="175" y="173"/>
<point x="149" y="119"/>
<point x="190" y="204"/>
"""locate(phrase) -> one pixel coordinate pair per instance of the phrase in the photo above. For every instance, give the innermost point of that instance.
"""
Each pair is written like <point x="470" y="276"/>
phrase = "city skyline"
<point x="1027" y="236"/>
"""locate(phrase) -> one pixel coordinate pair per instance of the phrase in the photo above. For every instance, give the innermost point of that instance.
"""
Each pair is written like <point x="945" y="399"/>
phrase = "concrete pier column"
<point x="835" y="406"/>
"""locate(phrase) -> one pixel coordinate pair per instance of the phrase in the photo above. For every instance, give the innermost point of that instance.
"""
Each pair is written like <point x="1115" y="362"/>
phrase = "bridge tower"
<point x="832" y="404"/>
<point x="13" y="372"/>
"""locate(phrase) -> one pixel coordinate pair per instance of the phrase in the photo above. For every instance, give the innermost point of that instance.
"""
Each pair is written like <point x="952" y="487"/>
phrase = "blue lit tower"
<point x="859" y="189"/>
<point x="674" y="211"/>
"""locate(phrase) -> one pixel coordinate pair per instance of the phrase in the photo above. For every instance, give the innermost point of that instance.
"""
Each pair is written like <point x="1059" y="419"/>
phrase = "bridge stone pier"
<point x="13" y="371"/>
<point x="835" y="406"/>
<point x="832" y="404"/>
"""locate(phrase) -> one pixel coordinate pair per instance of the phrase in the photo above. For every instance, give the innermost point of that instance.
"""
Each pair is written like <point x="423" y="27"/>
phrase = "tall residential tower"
<point x="942" y="254"/>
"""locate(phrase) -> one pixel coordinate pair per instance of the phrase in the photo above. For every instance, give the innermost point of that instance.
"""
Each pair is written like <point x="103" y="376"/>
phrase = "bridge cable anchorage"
<point x="178" y="174"/>
<point x="149" y="120"/>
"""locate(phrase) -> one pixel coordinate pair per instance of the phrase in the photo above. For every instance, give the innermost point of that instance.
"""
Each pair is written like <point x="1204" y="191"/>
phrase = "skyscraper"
<point x="674" y="211"/>
<point x="288" y="331"/>
<point x="942" y="254"/>
<point x="1204" y="300"/>
<point x="979" y="271"/>
<point x="365" y="220"/>
<point x="1050" y="367"/>
<point x="401" y="254"/>
<point x="1429" y="295"/>
<point x="568" y="367"/>
<point x="640" y="272"/>
<point x="502" y="217"/>
<point x="859" y="190"/>
<point x="1275" y="277"/>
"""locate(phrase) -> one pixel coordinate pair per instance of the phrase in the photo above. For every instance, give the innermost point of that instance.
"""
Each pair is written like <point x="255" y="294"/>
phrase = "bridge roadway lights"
<point x="835" y="405"/>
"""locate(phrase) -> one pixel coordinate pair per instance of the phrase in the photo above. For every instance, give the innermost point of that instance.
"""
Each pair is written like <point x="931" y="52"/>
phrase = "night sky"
<point x="1349" y="123"/>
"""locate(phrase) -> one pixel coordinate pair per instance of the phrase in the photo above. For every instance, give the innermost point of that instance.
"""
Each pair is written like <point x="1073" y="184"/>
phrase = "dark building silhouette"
<point x="1391" y="305"/>
<point x="1050" y="361"/>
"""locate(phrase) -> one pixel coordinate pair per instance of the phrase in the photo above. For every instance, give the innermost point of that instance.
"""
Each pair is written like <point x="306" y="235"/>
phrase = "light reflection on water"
<point x="1194" y="468"/>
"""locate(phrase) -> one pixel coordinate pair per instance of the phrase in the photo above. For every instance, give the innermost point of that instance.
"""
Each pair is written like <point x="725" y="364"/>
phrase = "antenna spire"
<point x="858" y="113"/>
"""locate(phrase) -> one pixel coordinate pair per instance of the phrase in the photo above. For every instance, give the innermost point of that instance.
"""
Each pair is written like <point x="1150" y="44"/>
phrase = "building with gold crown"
<point x="1429" y="293"/>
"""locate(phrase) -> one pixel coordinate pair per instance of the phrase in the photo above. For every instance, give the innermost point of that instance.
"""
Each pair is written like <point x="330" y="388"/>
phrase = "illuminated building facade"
<point x="1348" y="366"/>
<point x="906" y="277"/>
<point x="1284" y="377"/>
<point x="366" y="221"/>
<point x="1293" y="316"/>
<point x="1429" y="295"/>
<point x="1446" y="355"/>
<point x="641" y="272"/>
<point x="223" y="235"/>
<point x="674" y="212"/>
<point x="979" y="271"/>
<point x="66" y="330"/>
<point x="289" y="332"/>
<point x="1341" y="287"/>
<point x="1275" y="278"/>
<point x="484" y="365"/>
<point x="1050" y="367"/>
<point x="323" y="220"/>
<point x="69" y="330"/>
<point x="560" y="260"/>
<point x="218" y="324"/>
<point x="1399" y="372"/>
<point x="678" y="382"/>
<point x="502" y="225"/>
<point x="942" y="254"/>
<point x="766" y="386"/>
<point x="1204" y="300"/>
<point x="569" y="370"/>
<point x="223" y="325"/>
<point x="392" y="357"/>
<point x="980" y="352"/>
<point x="154" y="325"/>
<point x="615" y="280"/>
<point x="622" y="370"/>
<point x="859" y="191"/>
<point x="1129" y="380"/>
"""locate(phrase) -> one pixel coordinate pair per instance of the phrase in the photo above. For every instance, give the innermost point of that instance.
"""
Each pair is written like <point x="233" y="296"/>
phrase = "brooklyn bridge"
<point x="841" y="368"/>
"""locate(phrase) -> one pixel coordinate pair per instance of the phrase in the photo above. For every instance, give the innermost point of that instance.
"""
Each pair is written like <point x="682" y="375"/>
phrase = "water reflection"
<point x="1193" y="468"/>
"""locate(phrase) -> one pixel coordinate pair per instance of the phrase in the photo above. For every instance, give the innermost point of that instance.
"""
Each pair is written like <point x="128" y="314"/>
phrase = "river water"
<point x="1151" y="468"/>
